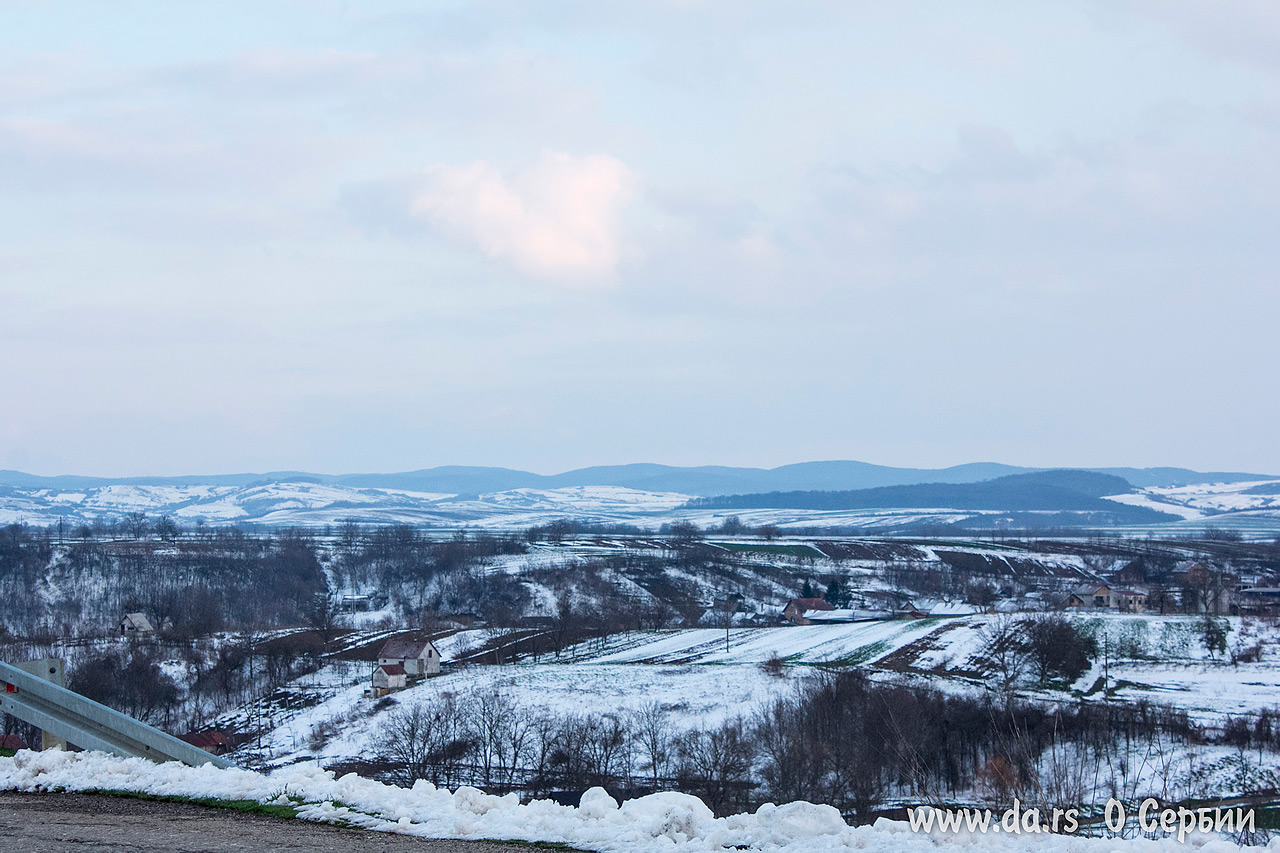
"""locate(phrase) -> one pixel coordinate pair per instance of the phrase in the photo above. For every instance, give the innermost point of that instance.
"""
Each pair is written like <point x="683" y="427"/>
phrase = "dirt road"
<point x="53" y="823"/>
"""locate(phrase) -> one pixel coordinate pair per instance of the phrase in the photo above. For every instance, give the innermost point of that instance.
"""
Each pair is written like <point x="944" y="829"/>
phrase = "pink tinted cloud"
<point x="559" y="218"/>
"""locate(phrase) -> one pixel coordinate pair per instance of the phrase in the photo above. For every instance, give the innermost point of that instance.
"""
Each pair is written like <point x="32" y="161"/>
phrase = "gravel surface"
<point x="48" y="823"/>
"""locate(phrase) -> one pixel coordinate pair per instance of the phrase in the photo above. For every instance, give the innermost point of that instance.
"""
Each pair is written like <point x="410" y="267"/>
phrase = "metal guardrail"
<point x="92" y="725"/>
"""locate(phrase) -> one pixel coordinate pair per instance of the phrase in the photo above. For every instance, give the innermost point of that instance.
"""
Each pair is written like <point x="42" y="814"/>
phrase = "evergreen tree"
<point x="807" y="591"/>
<point x="835" y="593"/>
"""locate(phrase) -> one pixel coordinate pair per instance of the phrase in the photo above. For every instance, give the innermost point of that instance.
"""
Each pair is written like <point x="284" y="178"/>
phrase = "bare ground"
<point x="53" y="823"/>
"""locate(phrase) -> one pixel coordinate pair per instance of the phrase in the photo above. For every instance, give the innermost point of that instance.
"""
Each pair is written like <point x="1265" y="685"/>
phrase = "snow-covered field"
<point x="692" y="695"/>
<point x="690" y="674"/>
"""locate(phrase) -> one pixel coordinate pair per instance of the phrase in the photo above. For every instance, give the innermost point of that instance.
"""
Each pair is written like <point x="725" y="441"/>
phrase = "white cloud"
<point x="559" y="218"/>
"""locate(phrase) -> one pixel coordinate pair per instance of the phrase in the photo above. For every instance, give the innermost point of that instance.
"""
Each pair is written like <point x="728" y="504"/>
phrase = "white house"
<point x="388" y="677"/>
<point x="418" y="657"/>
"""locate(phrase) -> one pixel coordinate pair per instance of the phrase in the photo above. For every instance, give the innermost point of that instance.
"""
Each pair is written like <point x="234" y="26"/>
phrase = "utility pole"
<point x="731" y="603"/>
<point x="1106" y="665"/>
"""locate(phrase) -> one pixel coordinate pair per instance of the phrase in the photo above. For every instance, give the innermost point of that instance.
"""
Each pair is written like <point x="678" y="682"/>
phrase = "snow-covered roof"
<point x="846" y="614"/>
<point x="953" y="608"/>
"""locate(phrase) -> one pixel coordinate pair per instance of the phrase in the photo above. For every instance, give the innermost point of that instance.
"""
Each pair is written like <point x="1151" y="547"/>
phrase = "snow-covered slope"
<point x="1255" y="499"/>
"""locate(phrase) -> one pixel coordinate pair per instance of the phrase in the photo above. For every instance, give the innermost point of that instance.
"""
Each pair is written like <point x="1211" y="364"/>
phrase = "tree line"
<point x="843" y="739"/>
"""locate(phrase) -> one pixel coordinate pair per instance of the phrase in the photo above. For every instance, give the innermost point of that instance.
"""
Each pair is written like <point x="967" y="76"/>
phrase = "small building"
<point x="213" y="742"/>
<point x="1129" y="600"/>
<point x="388" y="677"/>
<point x="136" y="623"/>
<point x="417" y="657"/>
<point x="1259" y="600"/>
<point x="796" y="608"/>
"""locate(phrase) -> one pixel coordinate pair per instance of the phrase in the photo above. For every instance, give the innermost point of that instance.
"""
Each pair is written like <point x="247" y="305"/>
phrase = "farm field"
<point x="689" y="673"/>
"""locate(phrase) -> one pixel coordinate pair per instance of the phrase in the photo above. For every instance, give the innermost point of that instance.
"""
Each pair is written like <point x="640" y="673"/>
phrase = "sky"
<point x="339" y="237"/>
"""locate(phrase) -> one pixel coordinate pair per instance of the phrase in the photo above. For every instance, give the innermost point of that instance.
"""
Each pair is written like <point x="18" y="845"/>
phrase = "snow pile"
<point x="659" y="822"/>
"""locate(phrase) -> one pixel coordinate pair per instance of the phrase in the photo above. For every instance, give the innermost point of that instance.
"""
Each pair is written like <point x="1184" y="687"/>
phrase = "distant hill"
<point x="707" y="480"/>
<point x="1042" y="491"/>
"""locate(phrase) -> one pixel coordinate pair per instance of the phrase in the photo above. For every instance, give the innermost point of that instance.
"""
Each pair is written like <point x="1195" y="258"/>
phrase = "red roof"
<point x="393" y="669"/>
<point x="12" y="742"/>
<point x="803" y="604"/>
<point x="207" y="740"/>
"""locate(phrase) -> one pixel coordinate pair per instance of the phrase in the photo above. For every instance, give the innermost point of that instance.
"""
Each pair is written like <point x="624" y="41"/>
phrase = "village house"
<point x="1259" y="600"/>
<point x="1133" y="572"/>
<point x="136" y="623"/>
<point x="796" y="608"/>
<point x="1130" y="600"/>
<point x="1201" y="589"/>
<point x="417" y="657"/>
<point x="213" y="741"/>
<point x="386" y="678"/>
<point x="1090" y="595"/>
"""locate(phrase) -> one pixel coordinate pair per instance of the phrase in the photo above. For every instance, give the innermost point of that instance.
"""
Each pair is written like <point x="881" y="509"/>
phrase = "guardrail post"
<point x="52" y="670"/>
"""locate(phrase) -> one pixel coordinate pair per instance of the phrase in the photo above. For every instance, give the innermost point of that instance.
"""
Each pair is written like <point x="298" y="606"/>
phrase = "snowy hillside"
<point x="315" y="504"/>
<point x="650" y="496"/>
<point x="1250" y="505"/>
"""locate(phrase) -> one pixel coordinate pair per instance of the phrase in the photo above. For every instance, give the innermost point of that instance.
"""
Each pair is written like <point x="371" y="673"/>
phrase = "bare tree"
<point x="716" y="765"/>
<point x="653" y="734"/>
<point x="136" y="524"/>
<point x="1004" y="644"/>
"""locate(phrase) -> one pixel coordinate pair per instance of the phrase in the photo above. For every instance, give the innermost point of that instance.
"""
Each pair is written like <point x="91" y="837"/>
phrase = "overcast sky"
<point x="373" y="236"/>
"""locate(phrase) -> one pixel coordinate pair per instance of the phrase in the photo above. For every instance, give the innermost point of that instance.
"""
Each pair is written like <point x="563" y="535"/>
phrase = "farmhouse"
<point x="1090" y="595"/>
<point x="1260" y="600"/>
<point x="416" y="657"/>
<point x="136" y="623"/>
<point x="1130" y="600"/>
<point x="796" y="607"/>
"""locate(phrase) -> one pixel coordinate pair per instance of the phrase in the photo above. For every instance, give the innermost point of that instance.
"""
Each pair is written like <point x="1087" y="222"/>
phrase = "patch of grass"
<point x="790" y="550"/>
<point x="8" y="753"/>
<point x="1097" y="687"/>
<point x="249" y="806"/>
<point x="863" y="654"/>
<point x="548" y="845"/>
